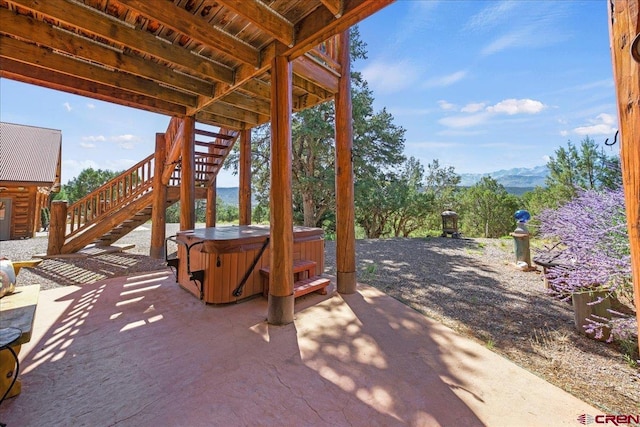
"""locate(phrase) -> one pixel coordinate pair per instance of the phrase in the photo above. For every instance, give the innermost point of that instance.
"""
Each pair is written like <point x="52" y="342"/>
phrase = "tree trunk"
<point x="308" y="209"/>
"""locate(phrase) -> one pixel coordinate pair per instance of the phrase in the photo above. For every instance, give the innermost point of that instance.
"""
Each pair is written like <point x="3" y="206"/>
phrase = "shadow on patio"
<point x="140" y="351"/>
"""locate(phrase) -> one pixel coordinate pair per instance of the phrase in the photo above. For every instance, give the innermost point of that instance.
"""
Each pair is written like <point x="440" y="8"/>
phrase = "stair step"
<point x="298" y="267"/>
<point x="214" y="134"/>
<point x="206" y="164"/>
<point x="199" y="154"/>
<point x="312" y="284"/>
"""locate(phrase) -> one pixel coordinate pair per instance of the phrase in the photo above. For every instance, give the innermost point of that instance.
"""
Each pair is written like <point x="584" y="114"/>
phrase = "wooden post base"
<point x="347" y="283"/>
<point x="280" y="310"/>
<point x="7" y="372"/>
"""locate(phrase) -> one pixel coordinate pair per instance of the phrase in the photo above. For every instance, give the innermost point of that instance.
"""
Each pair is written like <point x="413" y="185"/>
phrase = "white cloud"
<point x="120" y="164"/>
<point x="603" y="124"/>
<point x="446" y="105"/>
<point x="473" y="107"/>
<point x="446" y="80"/>
<point x="91" y="106"/>
<point x="72" y="168"/>
<point x="523" y="25"/>
<point x="464" y="121"/>
<point x="491" y="16"/>
<point x="546" y="158"/>
<point x="94" y="138"/>
<point x="517" y="106"/>
<point x="87" y="145"/>
<point x="479" y="114"/>
<point x="387" y="77"/>
<point x="514" y="39"/>
<point x="564" y="132"/>
<point x="67" y="106"/>
<point x="127" y="137"/>
<point x="125" y="141"/>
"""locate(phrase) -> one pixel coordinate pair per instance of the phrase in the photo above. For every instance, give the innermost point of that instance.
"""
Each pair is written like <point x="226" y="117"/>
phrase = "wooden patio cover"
<point x="241" y="63"/>
<point x="228" y="63"/>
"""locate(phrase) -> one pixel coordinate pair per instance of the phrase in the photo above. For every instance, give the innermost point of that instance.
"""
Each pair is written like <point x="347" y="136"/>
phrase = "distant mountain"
<point x="516" y="181"/>
<point x="516" y="177"/>
<point x="229" y="195"/>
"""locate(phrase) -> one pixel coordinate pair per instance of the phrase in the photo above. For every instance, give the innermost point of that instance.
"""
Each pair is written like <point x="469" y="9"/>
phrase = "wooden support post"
<point x="212" y="196"/>
<point x="159" y="213"/>
<point x="625" y="27"/>
<point x="244" y="196"/>
<point x="57" y="227"/>
<point x="281" y="299"/>
<point x="187" y="177"/>
<point x="345" y="216"/>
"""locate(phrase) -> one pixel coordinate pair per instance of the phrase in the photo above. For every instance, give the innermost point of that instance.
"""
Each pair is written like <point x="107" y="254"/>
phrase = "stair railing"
<point x="130" y="185"/>
<point x="111" y="196"/>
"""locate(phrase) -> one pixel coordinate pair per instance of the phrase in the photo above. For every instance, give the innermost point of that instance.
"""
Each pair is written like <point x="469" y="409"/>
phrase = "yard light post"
<point x="450" y="224"/>
<point x="521" y="240"/>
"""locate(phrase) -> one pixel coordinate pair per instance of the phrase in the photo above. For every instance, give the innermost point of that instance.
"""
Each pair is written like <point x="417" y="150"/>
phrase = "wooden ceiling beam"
<point x="43" y="57"/>
<point x="257" y="88"/>
<point x="206" y="117"/>
<point x="243" y="74"/>
<point x="182" y="21"/>
<point x="44" y="34"/>
<point x="263" y="17"/>
<point x="232" y="112"/>
<point x="310" y="70"/>
<point x="310" y="87"/>
<point x="30" y="74"/>
<point x="110" y="29"/>
<point x="335" y="7"/>
<point x="321" y="24"/>
<point x="305" y="101"/>
<point x="247" y="103"/>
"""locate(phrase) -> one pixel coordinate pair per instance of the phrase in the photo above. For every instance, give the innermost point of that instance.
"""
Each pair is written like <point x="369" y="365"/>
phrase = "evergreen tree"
<point x="377" y="150"/>
<point x="441" y="184"/>
<point x="487" y="209"/>
<point x="87" y="180"/>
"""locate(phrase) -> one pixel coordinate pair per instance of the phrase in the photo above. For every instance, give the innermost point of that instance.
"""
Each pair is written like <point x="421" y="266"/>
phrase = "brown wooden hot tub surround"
<point x="214" y="262"/>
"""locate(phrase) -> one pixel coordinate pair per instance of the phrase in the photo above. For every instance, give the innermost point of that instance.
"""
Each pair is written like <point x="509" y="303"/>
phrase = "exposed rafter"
<point x="208" y="59"/>
<point x="182" y="21"/>
<point x="264" y="18"/>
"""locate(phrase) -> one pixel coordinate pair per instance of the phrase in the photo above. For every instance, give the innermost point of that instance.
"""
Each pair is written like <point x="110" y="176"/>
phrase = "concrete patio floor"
<point x="140" y="351"/>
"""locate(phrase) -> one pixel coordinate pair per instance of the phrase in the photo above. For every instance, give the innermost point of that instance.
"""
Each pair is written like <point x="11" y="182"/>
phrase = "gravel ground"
<point x="470" y="285"/>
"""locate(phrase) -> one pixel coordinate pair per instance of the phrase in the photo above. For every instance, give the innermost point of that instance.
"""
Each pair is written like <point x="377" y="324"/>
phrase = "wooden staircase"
<point x="120" y="205"/>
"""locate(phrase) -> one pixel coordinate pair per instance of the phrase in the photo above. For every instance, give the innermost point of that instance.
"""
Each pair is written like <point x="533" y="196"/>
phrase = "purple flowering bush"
<point x="591" y="229"/>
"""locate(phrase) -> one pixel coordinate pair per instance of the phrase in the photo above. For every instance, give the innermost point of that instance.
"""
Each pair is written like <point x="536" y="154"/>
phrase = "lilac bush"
<point x="592" y="231"/>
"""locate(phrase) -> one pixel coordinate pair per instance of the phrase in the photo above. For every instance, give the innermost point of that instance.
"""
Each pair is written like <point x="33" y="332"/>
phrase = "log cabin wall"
<point x="25" y="212"/>
<point x="30" y="159"/>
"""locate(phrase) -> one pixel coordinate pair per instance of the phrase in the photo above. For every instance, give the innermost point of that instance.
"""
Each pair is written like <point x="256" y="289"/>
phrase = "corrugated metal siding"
<point x="28" y="153"/>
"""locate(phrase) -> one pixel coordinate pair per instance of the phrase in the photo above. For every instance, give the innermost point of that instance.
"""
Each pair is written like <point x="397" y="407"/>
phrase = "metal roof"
<point x="29" y="153"/>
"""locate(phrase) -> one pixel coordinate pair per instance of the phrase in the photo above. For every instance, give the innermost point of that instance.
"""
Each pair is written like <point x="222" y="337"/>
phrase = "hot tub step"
<point x="312" y="284"/>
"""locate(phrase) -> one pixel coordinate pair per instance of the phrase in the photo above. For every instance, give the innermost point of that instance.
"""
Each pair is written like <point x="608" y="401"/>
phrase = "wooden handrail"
<point x="110" y="196"/>
<point x="326" y="53"/>
<point x="125" y="191"/>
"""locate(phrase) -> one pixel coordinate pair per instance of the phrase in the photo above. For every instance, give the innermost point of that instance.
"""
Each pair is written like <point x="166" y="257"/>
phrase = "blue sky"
<point x="480" y="86"/>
